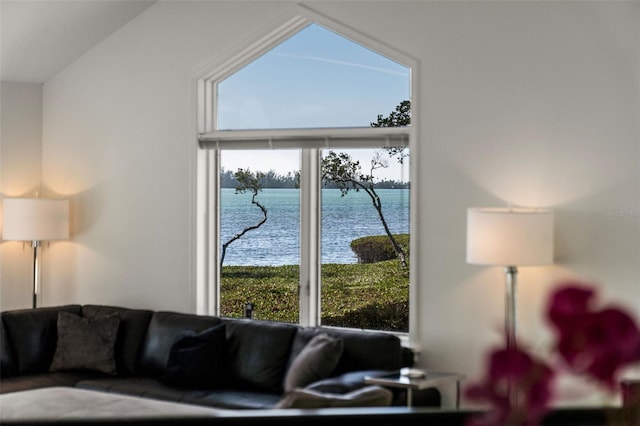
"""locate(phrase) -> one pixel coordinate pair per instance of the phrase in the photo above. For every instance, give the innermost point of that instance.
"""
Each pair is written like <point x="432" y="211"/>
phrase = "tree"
<point x="400" y="117"/>
<point x="247" y="182"/>
<point x="347" y="174"/>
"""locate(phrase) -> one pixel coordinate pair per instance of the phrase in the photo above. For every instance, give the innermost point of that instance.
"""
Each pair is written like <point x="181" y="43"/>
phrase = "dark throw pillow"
<point x="196" y="360"/>
<point x="86" y="344"/>
<point x="315" y="362"/>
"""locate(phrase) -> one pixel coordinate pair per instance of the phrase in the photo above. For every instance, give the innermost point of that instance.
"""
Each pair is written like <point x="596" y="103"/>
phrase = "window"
<point x="314" y="79"/>
<point x="259" y="237"/>
<point x="283" y="237"/>
<point x="364" y="284"/>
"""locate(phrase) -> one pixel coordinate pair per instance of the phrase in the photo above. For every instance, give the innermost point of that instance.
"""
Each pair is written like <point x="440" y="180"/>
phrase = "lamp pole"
<point x="36" y="271"/>
<point x="511" y="273"/>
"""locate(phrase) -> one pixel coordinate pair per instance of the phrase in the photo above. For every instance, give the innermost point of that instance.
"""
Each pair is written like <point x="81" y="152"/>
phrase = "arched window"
<point x="304" y="182"/>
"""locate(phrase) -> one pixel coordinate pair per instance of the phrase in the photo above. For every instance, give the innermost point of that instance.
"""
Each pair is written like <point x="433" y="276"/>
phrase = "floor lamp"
<point x="509" y="237"/>
<point x="35" y="220"/>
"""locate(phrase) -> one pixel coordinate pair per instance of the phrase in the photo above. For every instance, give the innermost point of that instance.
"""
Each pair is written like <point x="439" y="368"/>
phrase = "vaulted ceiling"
<point x="40" y="38"/>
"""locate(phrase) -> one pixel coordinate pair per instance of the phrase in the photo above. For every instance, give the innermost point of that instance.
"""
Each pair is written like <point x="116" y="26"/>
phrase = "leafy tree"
<point x="400" y="117"/>
<point x="346" y="174"/>
<point x="247" y="181"/>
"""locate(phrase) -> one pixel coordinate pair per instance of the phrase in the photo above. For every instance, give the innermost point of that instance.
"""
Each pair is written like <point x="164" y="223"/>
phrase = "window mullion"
<point x="309" y="237"/>
<point x="214" y="232"/>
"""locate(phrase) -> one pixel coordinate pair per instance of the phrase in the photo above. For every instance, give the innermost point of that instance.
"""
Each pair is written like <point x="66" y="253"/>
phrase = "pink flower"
<point x="517" y="387"/>
<point x="598" y="343"/>
<point x="595" y="342"/>
<point x="568" y="302"/>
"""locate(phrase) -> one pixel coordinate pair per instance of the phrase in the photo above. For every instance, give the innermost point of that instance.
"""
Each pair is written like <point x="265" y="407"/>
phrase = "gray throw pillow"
<point x="86" y="344"/>
<point x="315" y="362"/>
<point x="369" y="396"/>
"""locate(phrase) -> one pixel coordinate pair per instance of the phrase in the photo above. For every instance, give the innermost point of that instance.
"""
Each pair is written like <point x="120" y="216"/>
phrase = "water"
<point x="276" y="242"/>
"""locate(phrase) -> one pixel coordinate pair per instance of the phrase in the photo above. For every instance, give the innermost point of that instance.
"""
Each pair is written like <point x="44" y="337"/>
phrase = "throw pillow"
<point x="85" y="344"/>
<point x="369" y="396"/>
<point x="316" y="361"/>
<point x="196" y="360"/>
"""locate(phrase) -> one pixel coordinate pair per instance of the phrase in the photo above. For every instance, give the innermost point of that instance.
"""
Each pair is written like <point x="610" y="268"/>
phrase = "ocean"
<point x="276" y="242"/>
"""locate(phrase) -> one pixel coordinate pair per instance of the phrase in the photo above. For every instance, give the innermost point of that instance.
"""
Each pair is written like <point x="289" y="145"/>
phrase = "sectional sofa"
<point x="208" y="361"/>
<point x="252" y="370"/>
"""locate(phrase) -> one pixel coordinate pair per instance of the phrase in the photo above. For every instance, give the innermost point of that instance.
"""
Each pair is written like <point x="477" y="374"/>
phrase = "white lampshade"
<point x="35" y="219"/>
<point x="509" y="236"/>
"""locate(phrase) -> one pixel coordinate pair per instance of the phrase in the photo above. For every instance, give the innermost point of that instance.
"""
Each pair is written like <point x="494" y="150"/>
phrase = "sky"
<point x="314" y="79"/>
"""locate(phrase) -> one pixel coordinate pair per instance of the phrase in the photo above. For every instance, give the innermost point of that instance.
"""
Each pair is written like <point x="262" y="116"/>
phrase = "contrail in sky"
<point x="350" y="64"/>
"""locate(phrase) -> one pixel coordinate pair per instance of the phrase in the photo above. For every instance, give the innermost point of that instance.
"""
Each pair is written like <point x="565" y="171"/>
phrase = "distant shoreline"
<point x="277" y="241"/>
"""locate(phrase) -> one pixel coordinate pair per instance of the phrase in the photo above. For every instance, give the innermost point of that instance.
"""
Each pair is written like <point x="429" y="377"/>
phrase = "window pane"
<point x="366" y="285"/>
<point x="315" y="79"/>
<point x="260" y="248"/>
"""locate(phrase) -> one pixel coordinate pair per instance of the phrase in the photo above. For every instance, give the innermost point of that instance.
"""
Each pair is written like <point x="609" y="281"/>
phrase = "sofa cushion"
<point x="162" y="332"/>
<point x="72" y="406"/>
<point x="236" y="399"/>
<point x="315" y="362"/>
<point x="197" y="360"/>
<point x="370" y="396"/>
<point x="33" y="335"/>
<point x="362" y="350"/>
<point x="133" y="327"/>
<point x="46" y="380"/>
<point x="8" y="364"/>
<point x="152" y="388"/>
<point x="86" y="344"/>
<point x="258" y="353"/>
<point x="140" y="386"/>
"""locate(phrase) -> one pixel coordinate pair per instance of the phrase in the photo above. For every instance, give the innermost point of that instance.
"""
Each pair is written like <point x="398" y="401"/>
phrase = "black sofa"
<point x="259" y="354"/>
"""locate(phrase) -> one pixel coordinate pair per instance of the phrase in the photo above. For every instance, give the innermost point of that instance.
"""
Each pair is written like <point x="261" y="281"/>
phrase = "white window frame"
<point x="208" y="166"/>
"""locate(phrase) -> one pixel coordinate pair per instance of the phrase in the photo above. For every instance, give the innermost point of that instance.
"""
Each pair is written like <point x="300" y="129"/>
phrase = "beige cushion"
<point x="86" y="344"/>
<point x="370" y="396"/>
<point x="73" y="406"/>
<point x="315" y="362"/>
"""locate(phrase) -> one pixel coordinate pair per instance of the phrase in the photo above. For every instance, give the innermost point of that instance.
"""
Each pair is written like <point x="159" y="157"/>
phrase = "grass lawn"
<point x="369" y="296"/>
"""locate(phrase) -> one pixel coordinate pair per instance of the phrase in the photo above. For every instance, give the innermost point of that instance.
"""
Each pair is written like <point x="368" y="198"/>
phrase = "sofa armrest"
<point x="349" y="382"/>
<point x="369" y="396"/>
<point x="345" y="383"/>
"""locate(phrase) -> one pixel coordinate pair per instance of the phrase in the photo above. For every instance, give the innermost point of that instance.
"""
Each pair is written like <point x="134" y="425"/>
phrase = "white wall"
<point x="119" y="140"/>
<point x="530" y="103"/>
<point x="20" y="176"/>
<point x="533" y="104"/>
